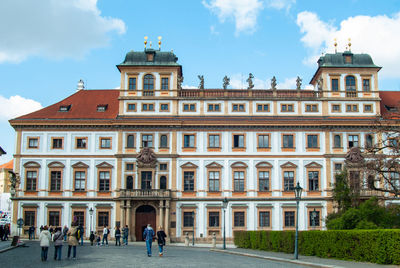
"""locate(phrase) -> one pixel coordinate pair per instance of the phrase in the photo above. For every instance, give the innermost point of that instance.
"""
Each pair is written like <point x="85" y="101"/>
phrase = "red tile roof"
<point x="8" y="165"/>
<point x="83" y="106"/>
<point x="390" y="99"/>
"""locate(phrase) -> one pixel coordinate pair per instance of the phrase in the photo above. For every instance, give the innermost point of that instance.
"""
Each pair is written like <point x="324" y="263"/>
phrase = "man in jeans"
<point x="125" y="234"/>
<point x="105" y="235"/>
<point x="148" y="236"/>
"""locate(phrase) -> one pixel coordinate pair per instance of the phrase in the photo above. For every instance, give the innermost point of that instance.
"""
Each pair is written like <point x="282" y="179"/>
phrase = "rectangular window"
<point x="188" y="141"/>
<point x="31" y="180"/>
<point x="54" y="218"/>
<point x="263" y="141"/>
<point x="130" y="141"/>
<point x="132" y="83"/>
<point x="286" y="107"/>
<point x="213" y="181"/>
<point x="55" y="181"/>
<point x="264" y="219"/>
<point x="188" y="181"/>
<point x="189" y="107"/>
<point x="287" y="141"/>
<point x="367" y="108"/>
<point x="164" y="83"/>
<point x="104" y="181"/>
<point x="338" y="167"/>
<point x="164" y="107"/>
<point x="80" y="217"/>
<point x="164" y="141"/>
<point x="366" y="85"/>
<point x="214" y="107"/>
<point x="351" y="108"/>
<point x="105" y="143"/>
<point x="263" y="181"/>
<point x="147" y="141"/>
<point x="335" y="85"/>
<point x="314" y="218"/>
<point x="163" y="167"/>
<point x="289" y="218"/>
<point x="262" y="108"/>
<point x="238" y="141"/>
<point x="288" y="181"/>
<point x="313" y="180"/>
<point x="188" y="219"/>
<point x="353" y="141"/>
<point x="102" y="218"/>
<point x="131" y="107"/>
<point x="57" y="143"/>
<point x="238" y="179"/>
<point x="33" y="143"/>
<point x="312" y="141"/>
<point x="29" y="218"/>
<point x="238" y="108"/>
<point x="213" y="219"/>
<point x="129" y="166"/>
<point x="213" y="141"/>
<point x="147" y="107"/>
<point x="81" y="143"/>
<point x="238" y="219"/>
<point x="80" y="179"/>
<point x="102" y="107"/>
<point x="335" y="108"/>
<point x="312" y="108"/>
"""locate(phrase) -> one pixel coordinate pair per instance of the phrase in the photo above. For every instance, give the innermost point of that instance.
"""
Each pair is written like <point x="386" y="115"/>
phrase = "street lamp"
<point x="91" y="214"/>
<point x="193" y="226"/>
<point x="224" y="205"/>
<point x="297" y="192"/>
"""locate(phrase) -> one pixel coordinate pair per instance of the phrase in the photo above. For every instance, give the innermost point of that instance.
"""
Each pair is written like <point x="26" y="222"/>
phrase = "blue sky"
<point x="47" y="46"/>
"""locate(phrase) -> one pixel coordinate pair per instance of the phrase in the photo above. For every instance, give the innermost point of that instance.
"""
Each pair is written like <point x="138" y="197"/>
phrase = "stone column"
<point x="129" y="217"/>
<point x="161" y="207"/>
<point x="123" y="210"/>
<point x="166" y="223"/>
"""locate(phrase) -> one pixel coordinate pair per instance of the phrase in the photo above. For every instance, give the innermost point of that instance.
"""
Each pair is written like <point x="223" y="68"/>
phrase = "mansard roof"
<point x="160" y="58"/>
<point x="338" y="60"/>
<point x="80" y="105"/>
<point x="390" y="104"/>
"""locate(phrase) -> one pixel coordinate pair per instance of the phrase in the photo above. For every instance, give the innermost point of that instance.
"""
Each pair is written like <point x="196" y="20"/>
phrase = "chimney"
<point x="81" y="85"/>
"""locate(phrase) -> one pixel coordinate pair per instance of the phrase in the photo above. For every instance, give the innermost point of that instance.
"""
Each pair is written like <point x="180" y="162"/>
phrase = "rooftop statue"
<point x="180" y="81"/>
<point x="320" y="83"/>
<point x="201" y="85"/>
<point x="226" y="82"/>
<point x="298" y="83"/>
<point x="273" y="83"/>
<point x="250" y="81"/>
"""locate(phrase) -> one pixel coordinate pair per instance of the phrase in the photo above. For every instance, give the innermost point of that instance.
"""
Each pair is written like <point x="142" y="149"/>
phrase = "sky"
<point x="47" y="46"/>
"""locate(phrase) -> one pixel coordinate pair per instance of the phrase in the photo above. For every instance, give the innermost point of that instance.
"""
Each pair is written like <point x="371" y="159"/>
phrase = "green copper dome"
<point x="150" y="57"/>
<point x="346" y="59"/>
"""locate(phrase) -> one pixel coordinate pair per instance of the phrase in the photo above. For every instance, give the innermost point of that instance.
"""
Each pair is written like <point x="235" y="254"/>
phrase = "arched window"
<point x="337" y="143"/>
<point x="350" y="83"/>
<point x="369" y="141"/>
<point x="130" y="143"/>
<point x="163" y="141"/>
<point x="163" y="182"/>
<point x="129" y="183"/>
<point x="148" y="82"/>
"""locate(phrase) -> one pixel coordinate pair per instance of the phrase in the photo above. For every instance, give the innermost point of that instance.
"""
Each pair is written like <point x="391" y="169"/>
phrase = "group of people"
<point x="148" y="236"/>
<point x="4" y="232"/>
<point x="96" y="237"/>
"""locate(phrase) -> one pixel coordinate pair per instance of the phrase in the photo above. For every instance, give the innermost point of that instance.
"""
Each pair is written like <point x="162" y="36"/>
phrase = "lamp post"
<point x="297" y="192"/>
<point x="91" y="214"/>
<point x="224" y="205"/>
<point x="193" y="227"/>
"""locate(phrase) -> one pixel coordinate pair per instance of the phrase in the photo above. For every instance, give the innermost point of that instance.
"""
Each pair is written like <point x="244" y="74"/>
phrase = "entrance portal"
<point x="144" y="215"/>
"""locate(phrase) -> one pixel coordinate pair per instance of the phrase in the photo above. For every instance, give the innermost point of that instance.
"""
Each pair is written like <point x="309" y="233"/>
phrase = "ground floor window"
<point x="264" y="219"/>
<point x="289" y="219"/>
<point x="102" y="219"/>
<point x="54" y="218"/>
<point x="238" y="219"/>
<point x="213" y="219"/>
<point x="188" y="219"/>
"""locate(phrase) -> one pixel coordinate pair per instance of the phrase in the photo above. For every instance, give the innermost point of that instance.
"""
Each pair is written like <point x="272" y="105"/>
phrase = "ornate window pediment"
<point x="56" y="165"/>
<point x="239" y="165"/>
<point x="313" y="165"/>
<point x="31" y="164"/>
<point x="80" y="165"/>
<point x="214" y="165"/>
<point x="189" y="165"/>
<point x="104" y="165"/>
<point x="288" y="165"/>
<point x="263" y="165"/>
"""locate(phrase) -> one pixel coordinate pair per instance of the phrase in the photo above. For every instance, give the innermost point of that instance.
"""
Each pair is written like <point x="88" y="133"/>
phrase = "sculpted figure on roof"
<point x="226" y="81"/>
<point x="273" y="83"/>
<point x="250" y="81"/>
<point x="201" y="85"/>
<point x="180" y="81"/>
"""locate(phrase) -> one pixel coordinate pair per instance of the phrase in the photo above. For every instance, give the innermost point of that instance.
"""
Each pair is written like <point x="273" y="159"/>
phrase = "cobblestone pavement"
<point x="131" y="256"/>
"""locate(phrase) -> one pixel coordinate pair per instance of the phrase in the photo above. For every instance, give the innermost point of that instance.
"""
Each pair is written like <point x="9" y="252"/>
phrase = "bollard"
<point x="214" y="240"/>
<point x="186" y="239"/>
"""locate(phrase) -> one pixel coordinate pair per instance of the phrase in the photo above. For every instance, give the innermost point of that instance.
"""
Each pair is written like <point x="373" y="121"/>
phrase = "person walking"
<point x="148" y="235"/>
<point x="81" y="232"/>
<point x="161" y="240"/>
<point x="72" y="240"/>
<point x="105" y="235"/>
<point x="65" y="231"/>
<point x="58" y="239"/>
<point x="125" y="233"/>
<point x="91" y="238"/>
<point x="6" y="232"/>
<point x="117" y="236"/>
<point x="31" y="232"/>
<point x="44" y="239"/>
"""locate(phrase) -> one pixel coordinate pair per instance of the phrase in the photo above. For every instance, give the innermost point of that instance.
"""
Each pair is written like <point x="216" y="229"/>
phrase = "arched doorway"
<point x="144" y="215"/>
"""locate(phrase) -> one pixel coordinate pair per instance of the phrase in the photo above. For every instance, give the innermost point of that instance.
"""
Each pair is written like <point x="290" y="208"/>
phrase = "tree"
<point x="344" y="196"/>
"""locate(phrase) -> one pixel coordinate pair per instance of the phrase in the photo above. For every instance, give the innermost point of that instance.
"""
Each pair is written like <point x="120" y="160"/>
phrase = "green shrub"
<point x="378" y="246"/>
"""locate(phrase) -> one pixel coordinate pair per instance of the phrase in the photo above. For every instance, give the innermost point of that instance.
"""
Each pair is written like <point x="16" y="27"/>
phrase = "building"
<point x="152" y="152"/>
<point x="5" y="201"/>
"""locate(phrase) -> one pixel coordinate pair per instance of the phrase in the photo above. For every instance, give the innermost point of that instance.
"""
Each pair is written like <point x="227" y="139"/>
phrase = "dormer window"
<point x="64" y="108"/>
<point x="150" y="57"/>
<point x="348" y="59"/>
<point x="102" y="107"/>
<point x="391" y="108"/>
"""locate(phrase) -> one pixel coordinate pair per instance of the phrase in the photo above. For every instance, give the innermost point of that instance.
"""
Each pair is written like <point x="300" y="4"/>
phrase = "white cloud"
<point x="288" y="83"/>
<point x="281" y="4"/>
<point x="53" y="29"/>
<point x="16" y="106"/>
<point x="378" y="36"/>
<point x="243" y="12"/>
<point x="189" y="87"/>
<point x="213" y="30"/>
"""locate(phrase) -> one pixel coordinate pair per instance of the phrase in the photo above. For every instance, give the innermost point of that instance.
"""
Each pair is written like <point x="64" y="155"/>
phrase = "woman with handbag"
<point x="161" y="240"/>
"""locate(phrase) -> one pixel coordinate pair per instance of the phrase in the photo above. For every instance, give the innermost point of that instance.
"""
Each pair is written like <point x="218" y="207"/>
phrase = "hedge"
<point x="377" y="246"/>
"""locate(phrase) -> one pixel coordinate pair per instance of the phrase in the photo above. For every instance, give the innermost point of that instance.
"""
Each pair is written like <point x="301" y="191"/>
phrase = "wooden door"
<point x="144" y="216"/>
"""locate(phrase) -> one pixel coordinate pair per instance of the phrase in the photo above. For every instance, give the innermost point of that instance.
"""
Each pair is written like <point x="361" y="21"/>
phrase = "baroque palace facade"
<point x="153" y="152"/>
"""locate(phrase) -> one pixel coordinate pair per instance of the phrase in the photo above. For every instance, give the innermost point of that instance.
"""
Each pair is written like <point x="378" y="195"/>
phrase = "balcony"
<point x="254" y="93"/>
<point x="150" y="194"/>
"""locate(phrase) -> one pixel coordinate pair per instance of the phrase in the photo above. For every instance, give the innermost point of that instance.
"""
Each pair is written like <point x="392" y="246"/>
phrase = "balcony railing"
<point x="254" y="93"/>
<point x="147" y="194"/>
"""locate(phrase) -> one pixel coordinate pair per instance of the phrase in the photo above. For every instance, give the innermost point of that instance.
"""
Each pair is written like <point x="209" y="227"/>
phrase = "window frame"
<point x="258" y="141"/>
<point x="348" y="140"/>
<point x="162" y="78"/>
<point x="189" y="106"/>
<point x="209" y="140"/>
<point x="83" y="139"/>
<point x="336" y="104"/>
<point x="129" y="82"/>
<point x="53" y="140"/>
<point x="142" y="135"/>
<point x="59" y="181"/>
<point x="233" y="141"/>
<point x="285" y="148"/>
<point x="35" y="147"/>
<point x="213" y="105"/>
<point x="317" y="146"/>
<point x="99" y="187"/>
<point x="148" y="107"/>
<point x="127" y="140"/>
<point x="368" y="105"/>
<point x="27" y="179"/>
<point x="164" y="110"/>
<point x="237" y="107"/>
<point x="184" y="189"/>
<point x="285" y="107"/>
<point x="160" y="144"/>
<point x="131" y="110"/>
<point x="263" y="105"/>
<point x="190" y="145"/>
<point x="101" y="139"/>
<point x="146" y="85"/>
<point x="74" y="171"/>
